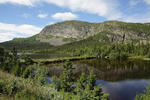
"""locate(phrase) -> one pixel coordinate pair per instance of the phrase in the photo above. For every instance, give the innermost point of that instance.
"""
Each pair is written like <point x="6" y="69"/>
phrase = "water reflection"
<point x="109" y="70"/>
<point x="123" y="90"/>
<point x="121" y="79"/>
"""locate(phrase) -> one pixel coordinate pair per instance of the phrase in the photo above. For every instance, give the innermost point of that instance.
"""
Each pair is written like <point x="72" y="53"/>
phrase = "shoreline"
<point x="61" y="60"/>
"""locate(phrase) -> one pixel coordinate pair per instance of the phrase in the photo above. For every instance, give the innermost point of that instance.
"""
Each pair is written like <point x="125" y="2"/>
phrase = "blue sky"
<point x="24" y="18"/>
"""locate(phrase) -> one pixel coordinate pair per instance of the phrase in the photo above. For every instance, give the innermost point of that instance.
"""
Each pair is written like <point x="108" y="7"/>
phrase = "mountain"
<point x="74" y="31"/>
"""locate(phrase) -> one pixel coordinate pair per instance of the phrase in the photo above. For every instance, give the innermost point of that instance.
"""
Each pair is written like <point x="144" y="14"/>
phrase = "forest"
<point x="22" y="79"/>
<point x="114" y="51"/>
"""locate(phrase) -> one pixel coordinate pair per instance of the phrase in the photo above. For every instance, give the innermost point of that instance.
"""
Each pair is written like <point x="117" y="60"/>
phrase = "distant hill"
<point x="25" y="44"/>
<point x="74" y="31"/>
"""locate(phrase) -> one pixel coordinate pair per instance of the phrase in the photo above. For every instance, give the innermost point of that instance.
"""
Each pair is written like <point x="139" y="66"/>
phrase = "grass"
<point x="5" y="97"/>
<point x="74" y="58"/>
<point x="139" y="57"/>
<point x="63" y="59"/>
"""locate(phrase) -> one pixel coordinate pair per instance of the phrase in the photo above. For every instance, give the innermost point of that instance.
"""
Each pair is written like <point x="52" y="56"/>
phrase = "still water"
<point x="121" y="79"/>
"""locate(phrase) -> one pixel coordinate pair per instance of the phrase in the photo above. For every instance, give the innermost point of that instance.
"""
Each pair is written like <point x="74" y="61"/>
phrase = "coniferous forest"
<point x="22" y="79"/>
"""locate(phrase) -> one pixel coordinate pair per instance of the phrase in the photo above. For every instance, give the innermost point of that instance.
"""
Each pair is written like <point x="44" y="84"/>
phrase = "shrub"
<point x="26" y="87"/>
<point x="144" y="96"/>
<point x="84" y="89"/>
<point x="29" y="72"/>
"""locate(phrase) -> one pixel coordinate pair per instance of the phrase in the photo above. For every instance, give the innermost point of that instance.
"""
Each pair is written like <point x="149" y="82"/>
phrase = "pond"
<point x="121" y="79"/>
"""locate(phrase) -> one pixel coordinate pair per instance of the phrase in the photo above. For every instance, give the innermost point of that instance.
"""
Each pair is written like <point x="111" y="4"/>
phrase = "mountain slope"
<point x="25" y="44"/>
<point x="72" y="31"/>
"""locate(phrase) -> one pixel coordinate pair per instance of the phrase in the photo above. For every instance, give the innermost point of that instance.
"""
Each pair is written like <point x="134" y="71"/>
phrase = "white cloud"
<point x="42" y="15"/>
<point x="134" y="2"/>
<point x="109" y="9"/>
<point x="10" y="31"/>
<point x="104" y="8"/>
<point x="5" y="36"/>
<point x="147" y="1"/>
<point x="20" y="2"/>
<point x="143" y="18"/>
<point x="64" y="16"/>
<point x="25" y="15"/>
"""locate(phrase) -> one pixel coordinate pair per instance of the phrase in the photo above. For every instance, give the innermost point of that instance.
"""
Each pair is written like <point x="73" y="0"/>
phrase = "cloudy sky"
<point x="24" y="18"/>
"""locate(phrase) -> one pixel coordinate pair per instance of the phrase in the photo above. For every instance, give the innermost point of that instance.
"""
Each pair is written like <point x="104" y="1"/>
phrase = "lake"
<point x="121" y="79"/>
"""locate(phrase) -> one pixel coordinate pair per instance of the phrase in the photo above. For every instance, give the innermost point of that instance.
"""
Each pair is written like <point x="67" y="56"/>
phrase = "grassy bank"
<point x="139" y="57"/>
<point x="76" y="58"/>
<point x="63" y="59"/>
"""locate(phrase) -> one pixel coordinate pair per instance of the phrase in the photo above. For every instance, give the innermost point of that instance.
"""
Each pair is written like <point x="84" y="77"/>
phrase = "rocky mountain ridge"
<point x="71" y="31"/>
<point x="78" y="30"/>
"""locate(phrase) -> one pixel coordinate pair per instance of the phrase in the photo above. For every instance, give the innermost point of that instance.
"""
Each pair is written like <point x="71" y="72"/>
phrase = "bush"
<point x="37" y="73"/>
<point x="2" y="83"/>
<point x="20" y="87"/>
<point x="66" y="78"/>
<point x="29" y="72"/>
<point x="84" y="89"/>
<point x="148" y="55"/>
<point x="12" y="88"/>
<point x="144" y="96"/>
<point x="119" y="56"/>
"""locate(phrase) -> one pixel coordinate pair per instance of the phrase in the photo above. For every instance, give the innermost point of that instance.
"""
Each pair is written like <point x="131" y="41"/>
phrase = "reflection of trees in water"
<point x="120" y="70"/>
<point x="78" y="69"/>
<point x="110" y="70"/>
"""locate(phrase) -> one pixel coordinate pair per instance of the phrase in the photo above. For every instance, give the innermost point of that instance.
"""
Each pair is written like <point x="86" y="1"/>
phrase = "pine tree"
<point x="66" y="78"/>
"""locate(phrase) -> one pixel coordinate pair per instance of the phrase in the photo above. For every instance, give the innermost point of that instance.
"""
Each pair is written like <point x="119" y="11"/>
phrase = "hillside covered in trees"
<point x="76" y="38"/>
<point x="77" y="31"/>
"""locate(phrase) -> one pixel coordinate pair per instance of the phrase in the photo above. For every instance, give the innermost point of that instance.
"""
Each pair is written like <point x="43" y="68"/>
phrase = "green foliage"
<point x="96" y="45"/>
<point x="56" y="83"/>
<point x="21" y="65"/>
<point x="144" y="96"/>
<point x="66" y="78"/>
<point x="83" y="89"/>
<point x="91" y="81"/>
<point x="87" y="89"/>
<point x="14" y="63"/>
<point x="69" y="39"/>
<point x="26" y="89"/>
<point x="26" y="59"/>
<point x="25" y="44"/>
<point x="29" y="72"/>
<point x="1" y="51"/>
<point x="37" y="73"/>
<point x="33" y="85"/>
<point x="135" y="32"/>
<point x="2" y="83"/>
<point x="81" y="83"/>
<point x="11" y="88"/>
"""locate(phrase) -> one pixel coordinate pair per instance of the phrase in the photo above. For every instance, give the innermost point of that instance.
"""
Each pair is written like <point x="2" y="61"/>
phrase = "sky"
<point x="25" y="18"/>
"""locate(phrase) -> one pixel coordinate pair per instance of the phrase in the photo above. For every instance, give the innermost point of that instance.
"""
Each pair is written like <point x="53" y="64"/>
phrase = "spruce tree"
<point x="66" y="78"/>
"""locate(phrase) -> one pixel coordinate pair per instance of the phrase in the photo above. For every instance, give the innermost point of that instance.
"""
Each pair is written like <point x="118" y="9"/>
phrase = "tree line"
<point x="21" y="79"/>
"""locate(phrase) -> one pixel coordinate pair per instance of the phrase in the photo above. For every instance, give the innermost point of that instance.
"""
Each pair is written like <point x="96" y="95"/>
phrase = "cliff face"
<point x="71" y="31"/>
